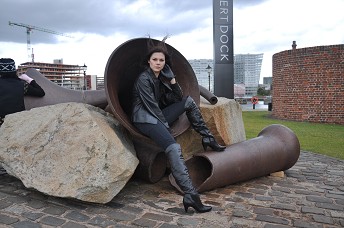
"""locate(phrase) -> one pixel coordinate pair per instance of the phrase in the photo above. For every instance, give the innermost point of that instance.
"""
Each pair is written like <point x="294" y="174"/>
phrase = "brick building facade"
<point x="308" y="84"/>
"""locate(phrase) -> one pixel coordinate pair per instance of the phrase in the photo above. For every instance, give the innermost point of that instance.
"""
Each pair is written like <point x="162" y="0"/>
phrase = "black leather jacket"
<point x="151" y="95"/>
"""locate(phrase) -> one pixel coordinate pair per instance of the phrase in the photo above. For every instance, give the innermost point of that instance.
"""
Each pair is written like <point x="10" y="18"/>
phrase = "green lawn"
<point x="327" y="139"/>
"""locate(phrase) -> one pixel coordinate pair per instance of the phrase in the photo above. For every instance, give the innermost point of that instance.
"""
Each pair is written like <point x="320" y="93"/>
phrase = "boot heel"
<point x="193" y="200"/>
<point x="211" y="142"/>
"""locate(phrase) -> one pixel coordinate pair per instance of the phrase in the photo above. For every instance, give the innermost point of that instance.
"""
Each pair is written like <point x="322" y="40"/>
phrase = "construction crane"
<point x="29" y="29"/>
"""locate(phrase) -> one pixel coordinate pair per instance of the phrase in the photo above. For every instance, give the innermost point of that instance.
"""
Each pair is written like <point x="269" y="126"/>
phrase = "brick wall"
<point x="308" y="84"/>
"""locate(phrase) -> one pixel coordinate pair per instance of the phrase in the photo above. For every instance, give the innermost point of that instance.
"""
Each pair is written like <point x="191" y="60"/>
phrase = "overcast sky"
<point x="98" y="27"/>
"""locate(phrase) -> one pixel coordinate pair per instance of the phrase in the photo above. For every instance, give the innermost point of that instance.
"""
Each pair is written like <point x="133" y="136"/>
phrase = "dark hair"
<point x="157" y="46"/>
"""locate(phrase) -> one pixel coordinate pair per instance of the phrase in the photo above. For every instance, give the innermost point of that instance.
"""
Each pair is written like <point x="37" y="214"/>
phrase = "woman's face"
<point x="157" y="62"/>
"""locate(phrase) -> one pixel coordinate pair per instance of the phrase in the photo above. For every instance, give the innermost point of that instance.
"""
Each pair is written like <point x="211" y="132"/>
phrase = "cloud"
<point x="98" y="27"/>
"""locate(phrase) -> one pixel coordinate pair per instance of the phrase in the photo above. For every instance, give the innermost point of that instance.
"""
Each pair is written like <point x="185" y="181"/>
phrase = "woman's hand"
<point x="25" y="78"/>
<point x="167" y="72"/>
<point x="173" y="81"/>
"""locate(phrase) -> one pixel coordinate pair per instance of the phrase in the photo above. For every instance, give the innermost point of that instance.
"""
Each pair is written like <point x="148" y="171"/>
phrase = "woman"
<point x="14" y="88"/>
<point x="157" y="102"/>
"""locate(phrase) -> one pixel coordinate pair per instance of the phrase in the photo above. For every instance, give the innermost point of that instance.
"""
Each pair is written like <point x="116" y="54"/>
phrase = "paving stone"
<point x="144" y="222"/>
<point x="26" y="224"/>
<point x="276" y="193"/>
<point x="177" y="210"/>
<point x="121" y="216"/>
<point x="264" y="198"/>
<point x="337" y="214"/>
<point x="54" y="210"/>
<point x="16" y="199"/>
<point x="32" y="215"/>
<point x="280" y="189"/>
<point x="234" y="199"/>
<point x="240" y="213"/>
<point x="158" y="217"/>
<point x="101" y="222"/>
<point x="73" y="225"/>
<point x="4" y="204"/>
<point x="257" y="191"/>
<point x="263" y="211"/>
<point x="304" y="224"/>
<point x="341" y="202"/>
<point x="7" y="220"/>
<point x="335" y="195"/>
<point x="37" y="204"/>
<point x="272" y="219"/>
<point x="323" y="219"/>
<point x="318" y="199"/>
<point x="330" y="206"/>
<point x="188" y="222"/>
<point x="52" y="221"/>
<point x="275" y="226"/>
<point x="283" y="206"/>
<point x="166" y="225"/>
<point x="77" y="216"/>
<point x="312" y="210"/>
<point x="133" y="210"/>
<point x="244" y="194"/>
<point x="305" y="192"/>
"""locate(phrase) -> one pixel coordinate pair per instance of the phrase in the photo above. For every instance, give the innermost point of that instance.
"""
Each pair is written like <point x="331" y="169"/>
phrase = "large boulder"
<point x="224" y="119"/>
<point x="68" y="150"/>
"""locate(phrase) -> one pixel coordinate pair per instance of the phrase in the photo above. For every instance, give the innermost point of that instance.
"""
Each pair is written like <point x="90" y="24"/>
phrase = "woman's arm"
<point x="31" y="88"/>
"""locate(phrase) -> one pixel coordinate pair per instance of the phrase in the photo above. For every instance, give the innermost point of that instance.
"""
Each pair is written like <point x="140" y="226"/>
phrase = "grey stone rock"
<point x="69" y="150"/>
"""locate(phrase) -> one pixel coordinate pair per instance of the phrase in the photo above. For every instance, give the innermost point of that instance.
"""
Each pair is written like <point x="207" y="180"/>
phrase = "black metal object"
<point x="276" y="148"/>
<point x="223" y="48"/>
<point x="122" y="69"/>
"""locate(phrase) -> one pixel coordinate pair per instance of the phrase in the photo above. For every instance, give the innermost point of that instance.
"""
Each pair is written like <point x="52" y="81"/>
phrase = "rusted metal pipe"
<point x="209" y="96"/>
<point x="123" y="67"/>
<point x="55" y="94"/>
<point x="276" y="148"/>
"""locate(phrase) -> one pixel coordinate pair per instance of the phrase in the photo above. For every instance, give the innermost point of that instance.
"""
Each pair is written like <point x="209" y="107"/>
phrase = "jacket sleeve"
<point x="145" y="89"/>
<point x="33" y="89"/>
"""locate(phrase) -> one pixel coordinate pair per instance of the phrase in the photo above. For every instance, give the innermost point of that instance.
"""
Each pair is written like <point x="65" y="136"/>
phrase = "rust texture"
<point x="276" y="148"/>
<point x="209" y="96"/>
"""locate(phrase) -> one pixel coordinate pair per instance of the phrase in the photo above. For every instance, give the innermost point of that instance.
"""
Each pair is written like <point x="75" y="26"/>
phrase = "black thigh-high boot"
<point x="181" y="175"/>
<point x="195" y="117"/>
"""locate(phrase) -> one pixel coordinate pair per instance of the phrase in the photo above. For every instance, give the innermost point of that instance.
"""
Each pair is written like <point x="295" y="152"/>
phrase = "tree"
<point x="262" y="92"/>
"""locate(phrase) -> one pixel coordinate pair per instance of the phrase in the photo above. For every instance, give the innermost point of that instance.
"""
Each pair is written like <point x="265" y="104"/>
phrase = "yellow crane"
<point x="29" y="29"/>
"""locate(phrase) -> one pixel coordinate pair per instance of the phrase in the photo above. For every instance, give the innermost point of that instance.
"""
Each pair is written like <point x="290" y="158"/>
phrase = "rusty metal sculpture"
<point x="122" y="68"/>
<point x="276" y="148"/>
<point x="209" y="96"/>
<point x="55" y="94"/>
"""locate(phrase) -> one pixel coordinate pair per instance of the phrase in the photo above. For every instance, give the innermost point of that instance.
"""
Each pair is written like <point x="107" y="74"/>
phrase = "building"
<point x="247" y="68"/>
<point x="204" y="77"/>
<point x="68" y="76"/>
<point x="267" y="83"/>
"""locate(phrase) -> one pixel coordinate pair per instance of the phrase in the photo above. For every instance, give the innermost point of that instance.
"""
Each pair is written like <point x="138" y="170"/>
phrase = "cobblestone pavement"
<point x="310" y="195"/>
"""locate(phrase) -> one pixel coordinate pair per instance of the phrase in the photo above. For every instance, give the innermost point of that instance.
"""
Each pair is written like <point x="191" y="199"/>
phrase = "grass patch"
<point x="327" y="139"/>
